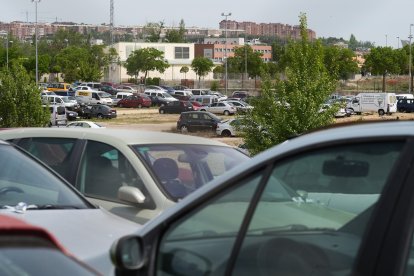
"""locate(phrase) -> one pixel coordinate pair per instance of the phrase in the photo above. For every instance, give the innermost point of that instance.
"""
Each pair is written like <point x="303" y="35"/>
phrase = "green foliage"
<point x="176" y="36"/>
<point x="145" y="60"/>
<point x="291" y="106"/>
<point x="340" y="62"/>
<point x="152" y="31"/>
<point x="184" y="70"/>
<point x="383" y="61"/>
<point x="20" y="102"/>
<point x="243" y="55"/>
<point x="202" y="66"/>
<point x="214" y="86"/>
<point x="153" y="81"/>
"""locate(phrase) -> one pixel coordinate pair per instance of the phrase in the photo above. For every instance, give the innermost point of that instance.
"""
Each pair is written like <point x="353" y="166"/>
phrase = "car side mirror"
<point x="131" y="194"/>
<point x="127" y="253"/>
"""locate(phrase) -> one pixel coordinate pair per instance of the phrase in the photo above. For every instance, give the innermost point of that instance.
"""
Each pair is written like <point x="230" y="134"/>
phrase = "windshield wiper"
<point x="290" y="228"/>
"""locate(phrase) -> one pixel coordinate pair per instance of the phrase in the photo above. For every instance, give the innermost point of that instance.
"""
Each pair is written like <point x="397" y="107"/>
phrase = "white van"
<point x="89" y="97"/>
<point x="204" y="99"/>
<point x="57" y="115"/>
<point x="52" y="100"/>
<point x="404" y="96"/>
<point x="380" y="103"/>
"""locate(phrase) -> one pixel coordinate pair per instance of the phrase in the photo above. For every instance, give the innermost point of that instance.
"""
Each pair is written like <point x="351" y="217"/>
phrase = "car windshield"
<point x="25" y="182"/>
<point x="181" y="169"/>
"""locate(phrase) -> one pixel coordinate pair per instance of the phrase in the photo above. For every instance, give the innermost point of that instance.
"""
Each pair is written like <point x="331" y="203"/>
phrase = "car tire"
<point x="162" y="111"/>
<point x="202" y="110"/>
<point x="184" y="129"/>
<point x="226" y="113"/>
<point x="226" y="133"/>
<point x="139" y="105"/>
<point x="121" y="105"/>
<point x="99" y="116"/>
<point x="381" y="112"/>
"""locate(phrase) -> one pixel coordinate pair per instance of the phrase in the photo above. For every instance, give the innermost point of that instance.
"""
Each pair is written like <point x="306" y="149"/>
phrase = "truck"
<point x="381" y="103"/>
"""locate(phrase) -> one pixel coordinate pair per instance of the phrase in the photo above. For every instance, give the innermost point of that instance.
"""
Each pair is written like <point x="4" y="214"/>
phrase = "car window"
<point x="290" y="231"/>
<point x="55" y="152"/>
<point x="103" y="170"/>
<point x="181" y="169"/>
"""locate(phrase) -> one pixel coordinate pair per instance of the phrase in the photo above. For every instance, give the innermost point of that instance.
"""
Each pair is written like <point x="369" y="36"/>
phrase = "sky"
<point x="378" y="21"/>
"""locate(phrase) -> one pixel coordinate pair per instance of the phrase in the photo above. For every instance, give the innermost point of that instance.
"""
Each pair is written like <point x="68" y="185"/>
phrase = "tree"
<point x="353" y="43"/>
<point x="20" y="102"/>
<point x="152" y="31"/>
<point x="291" y="106"/>
<point x="184" y="70"/>
<point x="145" y="60"/>
<point x="202" y="66"/>
<point x="176" y="36"/>
<point x="243" y="55"/>
<point x="383" y="61"/>
<point x="340" y="62"/>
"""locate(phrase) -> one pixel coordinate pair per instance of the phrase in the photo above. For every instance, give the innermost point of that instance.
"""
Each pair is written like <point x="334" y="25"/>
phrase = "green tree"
<point x="202" y="66"/>
<point x="176" y="36"/>
<point x="184" y="70"/>
<point x="383" y="61"/>
<point x="20" y="102"/>
<point x="152" y="31"/>
<point x="340" y="62"/>
<point x="243" y="55"/>
<point x="291" y="106"/>
<point x="353" y="43"/>
<point x="145" y="60"/>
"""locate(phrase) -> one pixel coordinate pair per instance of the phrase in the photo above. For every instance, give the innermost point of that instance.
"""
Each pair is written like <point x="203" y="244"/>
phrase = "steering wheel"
<point x="7" y="189"/>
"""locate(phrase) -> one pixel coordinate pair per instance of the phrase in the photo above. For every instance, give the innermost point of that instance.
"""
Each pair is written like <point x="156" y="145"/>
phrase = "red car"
<point x="30" y="250"/>
<point x="137" y="101"/>
<point x="196" y="105"/>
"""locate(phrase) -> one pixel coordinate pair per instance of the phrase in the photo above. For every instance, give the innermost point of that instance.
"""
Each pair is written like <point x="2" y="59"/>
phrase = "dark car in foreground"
<point x="197" y="121"/>
<point x="99" y="111"/>
<point x="176" y="107"/>
<point x="337" y="201"/>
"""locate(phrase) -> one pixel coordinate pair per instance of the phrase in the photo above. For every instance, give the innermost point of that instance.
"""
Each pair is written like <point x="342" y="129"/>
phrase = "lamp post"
<point x="225" y="50"/>
<point x="409" y="62"/>
<point x="37" y="57"/>
<point x="398" y="42"/>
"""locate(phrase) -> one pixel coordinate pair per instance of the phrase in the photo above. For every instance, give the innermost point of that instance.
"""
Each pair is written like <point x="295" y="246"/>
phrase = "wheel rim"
<point x="184" y="129"/>
<point x="161" y="111"/>
<point x="226" y="113"/>
<point x="140" y="106"/>
<point x="225" y="133"/>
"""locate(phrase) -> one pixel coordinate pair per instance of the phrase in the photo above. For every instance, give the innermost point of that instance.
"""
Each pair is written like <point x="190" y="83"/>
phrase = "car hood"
<point x="87" y="234"/>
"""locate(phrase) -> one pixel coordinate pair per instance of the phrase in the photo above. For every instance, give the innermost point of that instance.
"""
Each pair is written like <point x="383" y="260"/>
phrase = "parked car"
<point x="220" y="96"/>
<point x="240" y="94"/>
<point x="105" y="98"/>
<point x="84" y="124"/>
<point x="199" y="92"/>
<point x="31" y="250"/>
<point x="167" y="88"/>
<point x="241" y="107"/>
<point x="32" y="192"/>
<point x="405" y="105"/>
<point x="126" y="88"/>
<point x="176" y="107"/>
<point x="58" y="86"/>
<point x="70" y="102"/>
<point x="197" y="121"/>
<point x="160" y="98"/>
<point x="334" y="202"/>
<point x="134" y="174"/>
<point x="71" y="115"/>
<point x="109" y="89"/>
<point x="224" y="108"/>
<point x="196" y="105"/>
<point x="58" y="115"/>
<point x="135" y="101"/>
<point x="230" y="127"/>
<point x="180" y="87"/>
<point x="154" y="88"/>
<point x="99" y="111"/>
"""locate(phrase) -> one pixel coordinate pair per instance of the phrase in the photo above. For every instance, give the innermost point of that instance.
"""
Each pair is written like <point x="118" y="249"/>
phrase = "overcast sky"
<point x="378" y="21"/>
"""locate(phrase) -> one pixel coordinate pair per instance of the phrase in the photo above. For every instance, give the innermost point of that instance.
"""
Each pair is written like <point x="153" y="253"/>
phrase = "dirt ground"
<point x="150" y="119"/>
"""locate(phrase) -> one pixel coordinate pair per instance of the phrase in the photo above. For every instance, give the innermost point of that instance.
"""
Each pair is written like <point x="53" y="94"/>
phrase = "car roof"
<point x="125" y="136"/>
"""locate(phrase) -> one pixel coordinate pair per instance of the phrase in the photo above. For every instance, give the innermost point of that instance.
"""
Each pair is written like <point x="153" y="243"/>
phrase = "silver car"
<point x="134" y="174"/>
<point x="224" y="108"/>
<point x="31" y="192"/>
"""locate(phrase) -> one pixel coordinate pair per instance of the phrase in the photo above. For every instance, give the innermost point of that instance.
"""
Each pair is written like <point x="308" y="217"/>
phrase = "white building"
<point x="176" y="54"/>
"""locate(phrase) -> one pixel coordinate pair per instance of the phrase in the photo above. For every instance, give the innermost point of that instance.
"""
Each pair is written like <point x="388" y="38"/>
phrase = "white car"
<point x="220" y="96"/>
<point x="84" y="124"/>
<point x="154" y="88"/>
<point x="220" y="108"/>
<point x="133" y="174"/>
<point x="230" y="127"/>
<point x="70" y="102"/>
<point x="106" y="98"/>
<point x="240" y="105"/>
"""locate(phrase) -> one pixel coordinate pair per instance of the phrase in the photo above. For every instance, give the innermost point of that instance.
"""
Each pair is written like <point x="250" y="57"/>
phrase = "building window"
<point x="182" y="52"/>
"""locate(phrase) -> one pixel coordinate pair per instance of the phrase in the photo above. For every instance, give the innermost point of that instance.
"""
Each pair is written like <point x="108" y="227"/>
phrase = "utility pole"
<point x="111" y="23"/>
<point x="37" y="56"/>
<point x="225" y="50"/>
<point x="409" y="63"/>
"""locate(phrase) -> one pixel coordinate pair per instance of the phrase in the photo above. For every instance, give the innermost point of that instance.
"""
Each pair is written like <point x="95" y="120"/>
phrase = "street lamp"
<point x="37" y="58"/>
<point x="7" y="51"/>
<point x="409" y="62"/>
<point x="225" y="50"/>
